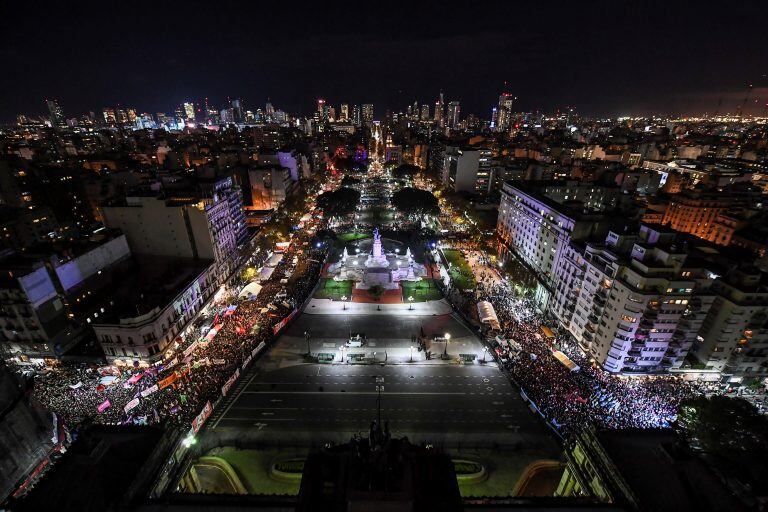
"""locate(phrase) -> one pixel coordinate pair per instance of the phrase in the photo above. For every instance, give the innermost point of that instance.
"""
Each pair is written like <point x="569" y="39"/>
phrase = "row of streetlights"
<point x="344" y="300"/>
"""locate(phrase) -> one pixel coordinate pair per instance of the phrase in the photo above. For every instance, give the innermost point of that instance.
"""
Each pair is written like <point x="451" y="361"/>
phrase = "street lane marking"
<point x="266" y="408"/>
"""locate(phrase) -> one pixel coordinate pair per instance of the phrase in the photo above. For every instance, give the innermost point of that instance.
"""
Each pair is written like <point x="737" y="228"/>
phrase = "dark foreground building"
<point x="28" y="434"/>
<point x="106" y="469"/>
<point x="380" y="474"/>
<point x="643" y="470"/>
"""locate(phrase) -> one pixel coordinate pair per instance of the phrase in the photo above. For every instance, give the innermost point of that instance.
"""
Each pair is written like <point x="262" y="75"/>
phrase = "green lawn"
<point x="421" y="291"/>
<point x="461" y="274"/>
<point x="252" y="466"/>
<point x="352" y="236"/>
<point x="462" y="281"/>
<point x="330" y="289"/>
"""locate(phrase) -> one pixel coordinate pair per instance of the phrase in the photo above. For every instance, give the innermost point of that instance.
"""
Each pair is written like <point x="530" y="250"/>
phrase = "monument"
<point x="377" y="267"/>
<point x="377" y="258"/>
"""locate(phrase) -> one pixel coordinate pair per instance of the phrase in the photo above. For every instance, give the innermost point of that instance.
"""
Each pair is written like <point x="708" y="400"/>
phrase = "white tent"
<point x="274" y="260"/>
<point x="251" y="289"/>
<point x="265" y="273"/>
<point x="487" y="315"/>
<point x="566" y="361"/>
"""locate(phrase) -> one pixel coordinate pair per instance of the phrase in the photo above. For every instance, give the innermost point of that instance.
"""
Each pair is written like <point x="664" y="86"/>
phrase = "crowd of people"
<point x="195" y="368"/>
<point x="569" y="399"/>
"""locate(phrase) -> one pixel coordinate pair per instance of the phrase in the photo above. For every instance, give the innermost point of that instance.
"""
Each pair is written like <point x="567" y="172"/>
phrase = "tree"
<point x="349" y="180"/>
<point x="414" y="201"/>
<point x="405" y="171"/>
<point x="342" y="164"/>
<point x="376" y="291"/>
<point x="731" y="433"/>
<point x="341" y="201"/>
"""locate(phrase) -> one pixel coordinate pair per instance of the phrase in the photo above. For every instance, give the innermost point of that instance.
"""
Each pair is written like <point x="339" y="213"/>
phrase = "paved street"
<point x="431" y="401"/>
<point x="390" y="334"/>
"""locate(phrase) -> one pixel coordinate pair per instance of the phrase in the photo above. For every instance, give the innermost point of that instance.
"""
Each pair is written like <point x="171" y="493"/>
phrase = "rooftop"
<point x="147" y="283"/>
<point x="100" y="471"/>
<point x="662" y="474"/>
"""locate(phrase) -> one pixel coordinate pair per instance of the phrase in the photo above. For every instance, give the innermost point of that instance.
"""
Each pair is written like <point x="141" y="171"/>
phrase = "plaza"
<point x="426" y="400"/>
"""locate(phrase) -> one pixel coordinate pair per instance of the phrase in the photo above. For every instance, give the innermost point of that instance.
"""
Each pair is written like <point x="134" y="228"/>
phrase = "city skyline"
<point x="582" y="58"/>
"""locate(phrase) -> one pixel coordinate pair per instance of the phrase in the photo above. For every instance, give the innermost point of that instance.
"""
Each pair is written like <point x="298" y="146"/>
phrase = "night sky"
<point x="602" y="58"/>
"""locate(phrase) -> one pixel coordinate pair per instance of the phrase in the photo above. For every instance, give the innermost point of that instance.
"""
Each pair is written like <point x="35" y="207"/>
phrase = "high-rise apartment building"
<point x="203" y="223"/>
<point x="628" y="301"/>
<point x="698" y="212"/>
<point x="539" y="230"/>
<point x="344" y="112"/>
<point x="467" y="169"/>
<point x="733" y="338"/>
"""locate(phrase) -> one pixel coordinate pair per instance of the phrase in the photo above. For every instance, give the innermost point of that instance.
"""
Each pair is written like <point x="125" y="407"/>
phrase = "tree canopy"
<point x="342" y="163"/>
<point x="414" y="201"/>
<point x="731" y="432"/>
<point x="349" y="180"/>
<point x="405" y="171"/>
<point x="341" y="201"/>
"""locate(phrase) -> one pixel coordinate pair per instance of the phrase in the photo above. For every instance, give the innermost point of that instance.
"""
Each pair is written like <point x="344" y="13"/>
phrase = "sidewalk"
<point x="330" y="307"/>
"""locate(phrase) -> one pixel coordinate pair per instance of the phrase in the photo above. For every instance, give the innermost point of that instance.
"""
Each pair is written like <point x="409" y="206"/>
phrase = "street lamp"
<point x="411" y="347"/>
<point x="344" y="302"/>
<point x="410" y="302"/>
<point x="447" y="339"/>
<point x="485" y="351"/>
<point x="343" y="359"/>
<point x="307" y="337"/>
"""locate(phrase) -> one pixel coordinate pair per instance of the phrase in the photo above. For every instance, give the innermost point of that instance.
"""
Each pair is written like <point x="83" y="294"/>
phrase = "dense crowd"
<point x="195" y="369"/>
<point x="570" y="400"/>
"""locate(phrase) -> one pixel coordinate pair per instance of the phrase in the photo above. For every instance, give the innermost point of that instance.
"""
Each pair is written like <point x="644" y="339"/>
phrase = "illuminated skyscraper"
<point x="237" y="110"/>
<point x="425" y="112"/>
<point x="356" y="118"/>
<point x="122" y="116"/>
<point x="439" y="110"/>
<point x="344" y="112"/>
<point x="57" y="116"/>
<point x="505" y="112"/>
<point x="322" y="114"/>
<point x="367" y="114"/>
<point x="189" y="111"/>
<point x="109" y="116"/>
<point x="454" y="111"/>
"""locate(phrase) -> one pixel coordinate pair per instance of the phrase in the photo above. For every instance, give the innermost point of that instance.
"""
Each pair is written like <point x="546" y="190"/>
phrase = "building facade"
<point x="143" y="325"/>
<point x="539" y="230"/>
<point x="625" y="301"/>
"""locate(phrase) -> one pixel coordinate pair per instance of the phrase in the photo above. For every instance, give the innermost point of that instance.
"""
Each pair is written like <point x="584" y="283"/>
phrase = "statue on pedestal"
<point x="377" y="257"/>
